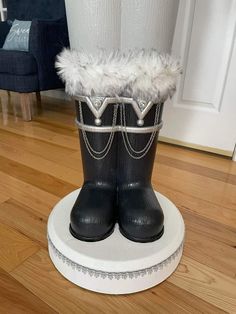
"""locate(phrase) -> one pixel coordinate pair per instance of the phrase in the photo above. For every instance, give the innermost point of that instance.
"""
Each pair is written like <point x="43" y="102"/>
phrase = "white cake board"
<point x="115" y="265"/>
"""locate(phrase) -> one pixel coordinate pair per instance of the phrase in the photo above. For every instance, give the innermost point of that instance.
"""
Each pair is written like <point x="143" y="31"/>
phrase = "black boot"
<point x="94" y="213"/>
<point x="140" y="215"/>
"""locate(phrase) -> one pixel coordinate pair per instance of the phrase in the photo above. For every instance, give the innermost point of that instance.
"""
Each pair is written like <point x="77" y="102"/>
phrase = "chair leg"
<point x="39" y="103"/>
<point x="5" y="104"/>
<point x="25" y="101"/>
<point x="38" y="97"/>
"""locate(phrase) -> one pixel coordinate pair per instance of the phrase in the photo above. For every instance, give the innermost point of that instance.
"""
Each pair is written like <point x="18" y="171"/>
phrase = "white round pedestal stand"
<point x="115" y="265"/>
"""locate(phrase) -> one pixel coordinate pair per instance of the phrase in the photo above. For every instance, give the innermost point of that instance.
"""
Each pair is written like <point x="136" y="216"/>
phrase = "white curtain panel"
<point x="148" y="24"/>
<point x="93" y="24"/>
<point x="121" y="24"/>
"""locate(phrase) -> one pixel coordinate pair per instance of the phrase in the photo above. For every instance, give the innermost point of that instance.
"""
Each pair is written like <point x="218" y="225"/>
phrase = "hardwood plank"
<point x="68" y="298"/>
<point x="15" y="248"/>
<point x="168" y="292"/>
<point x="40" y="164"/>
<point x="195" y="204"/>
<point x="33" y="197"/>
<point x="59" y="123"/>
<point x="29" y="222"/>
<point x="58" y="118"/>
<point x="195" y="157"/>
<point x="9" y="136"/>
<point x="42" y="180"/>
<point x="59" y="105"/>
<point x="3" y="198"/>
<point x="196" y="185"/>
<point x="34" y="130"/>
<point x="48" y="151"/>
<point x="201" y="170"/>
<point x="15" y="298"/>
<point x="206" y="283"/>
<point x="210" y="252"/>
<point x="211" y="229"/>
<point x="60" y="129"/>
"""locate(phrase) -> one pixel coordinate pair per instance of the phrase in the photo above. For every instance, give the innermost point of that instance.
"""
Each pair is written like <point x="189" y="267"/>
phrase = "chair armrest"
<point x="47" y="38"/>
<point x="4" y="30"/>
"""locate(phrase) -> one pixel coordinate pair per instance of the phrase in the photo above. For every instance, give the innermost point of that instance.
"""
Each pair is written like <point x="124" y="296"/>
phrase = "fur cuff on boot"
<point x="142" y="74"/>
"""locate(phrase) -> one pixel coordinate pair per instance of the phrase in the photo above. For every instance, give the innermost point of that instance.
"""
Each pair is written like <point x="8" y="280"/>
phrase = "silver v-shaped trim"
<point x="141" y="113"/>
<point x="98" y="108"/>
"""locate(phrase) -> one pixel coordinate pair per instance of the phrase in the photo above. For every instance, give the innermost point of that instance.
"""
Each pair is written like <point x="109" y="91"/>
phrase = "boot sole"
<point x="142" y="240"/>
<point x="92" y="239"/>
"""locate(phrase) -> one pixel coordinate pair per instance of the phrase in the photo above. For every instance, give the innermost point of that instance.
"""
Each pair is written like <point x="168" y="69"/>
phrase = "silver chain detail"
<point x="129" y="148"/>
<point x="94" y="153"/>
<point x="133" y="153"/>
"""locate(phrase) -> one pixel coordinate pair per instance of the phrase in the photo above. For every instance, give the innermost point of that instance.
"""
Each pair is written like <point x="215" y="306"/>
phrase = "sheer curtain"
<point x="121" y="24"/>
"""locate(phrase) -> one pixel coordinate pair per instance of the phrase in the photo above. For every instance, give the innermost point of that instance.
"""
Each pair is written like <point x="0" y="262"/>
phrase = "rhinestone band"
<point x="115" y="275"/>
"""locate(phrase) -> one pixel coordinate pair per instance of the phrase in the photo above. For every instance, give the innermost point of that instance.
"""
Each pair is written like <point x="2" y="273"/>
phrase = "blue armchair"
<point x="33" y="71"/>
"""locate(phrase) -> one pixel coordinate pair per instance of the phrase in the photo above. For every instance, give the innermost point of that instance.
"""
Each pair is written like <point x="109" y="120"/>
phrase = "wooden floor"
<point x="40" y="163"/>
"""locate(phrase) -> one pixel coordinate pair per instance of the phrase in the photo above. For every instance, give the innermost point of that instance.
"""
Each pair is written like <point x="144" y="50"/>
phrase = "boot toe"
<point x="92" y="217"/>
<point x="90" y="232"/>
<point x="141" y="218"/>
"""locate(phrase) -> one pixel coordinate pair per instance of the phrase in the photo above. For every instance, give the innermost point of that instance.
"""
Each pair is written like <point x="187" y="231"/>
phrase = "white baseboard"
<point x="196" y="146"/>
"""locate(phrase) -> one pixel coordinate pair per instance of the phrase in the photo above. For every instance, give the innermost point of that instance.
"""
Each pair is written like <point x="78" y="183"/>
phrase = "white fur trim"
<point x="141" y="74"/>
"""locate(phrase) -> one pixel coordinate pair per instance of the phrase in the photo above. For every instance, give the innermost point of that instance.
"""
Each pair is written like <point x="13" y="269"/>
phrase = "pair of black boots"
<point x="117" y="188"/>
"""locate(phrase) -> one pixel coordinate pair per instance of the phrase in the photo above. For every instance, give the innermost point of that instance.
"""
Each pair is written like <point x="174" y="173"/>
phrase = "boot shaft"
<point x="118" y="162"/>
<point x="136" y="168"/>
<point x="95" y="167"/>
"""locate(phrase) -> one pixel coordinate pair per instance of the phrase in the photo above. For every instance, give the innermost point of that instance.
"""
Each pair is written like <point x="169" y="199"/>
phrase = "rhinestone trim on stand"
<point x="114" y="275"/>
